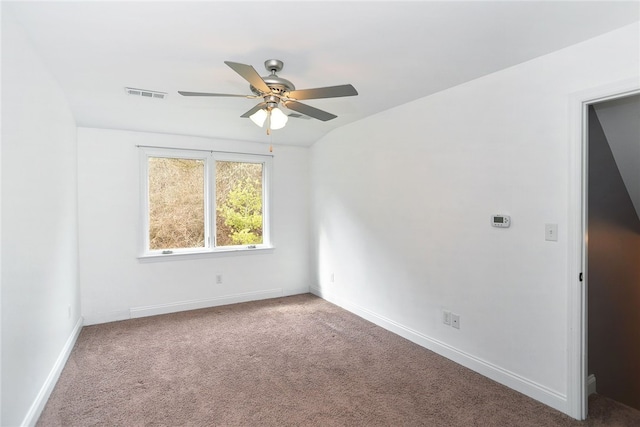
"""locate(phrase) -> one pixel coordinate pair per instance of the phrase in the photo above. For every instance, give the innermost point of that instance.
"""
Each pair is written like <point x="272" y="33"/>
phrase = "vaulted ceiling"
<point x="392" y="52"/>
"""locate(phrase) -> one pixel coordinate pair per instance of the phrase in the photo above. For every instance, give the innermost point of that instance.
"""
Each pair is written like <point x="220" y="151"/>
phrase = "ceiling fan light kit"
<point x="276" y="91"/>
<point x="277" y="119"/>
<point x="259" y="117"/>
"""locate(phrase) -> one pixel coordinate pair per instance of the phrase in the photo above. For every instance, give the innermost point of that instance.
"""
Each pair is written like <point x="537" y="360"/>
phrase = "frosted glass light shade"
<point x="259" y="117"/>
<point x="278" y="118"/>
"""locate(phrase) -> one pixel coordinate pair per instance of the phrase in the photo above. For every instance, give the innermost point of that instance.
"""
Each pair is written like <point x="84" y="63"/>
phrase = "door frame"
<point x="577" y="345"/>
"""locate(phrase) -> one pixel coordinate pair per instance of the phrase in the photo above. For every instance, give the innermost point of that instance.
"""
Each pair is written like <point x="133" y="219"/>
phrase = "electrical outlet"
<point x="333" y="278"/>
<point x="446" y="317"/>
<point x="455" y="320"/>
<point x="218" y="279"/>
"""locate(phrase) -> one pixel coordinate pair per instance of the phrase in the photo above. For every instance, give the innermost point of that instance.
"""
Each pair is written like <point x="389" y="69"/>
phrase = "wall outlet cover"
<point x="455" y="320"/>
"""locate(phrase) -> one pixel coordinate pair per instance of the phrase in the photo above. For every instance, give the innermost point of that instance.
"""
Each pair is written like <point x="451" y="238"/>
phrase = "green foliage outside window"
<point x="242" y="212"/>
<point x="238" y="203"/>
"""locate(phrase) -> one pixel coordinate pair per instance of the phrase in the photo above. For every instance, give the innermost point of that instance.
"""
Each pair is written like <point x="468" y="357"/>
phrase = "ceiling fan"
<point x="275" y="91"/>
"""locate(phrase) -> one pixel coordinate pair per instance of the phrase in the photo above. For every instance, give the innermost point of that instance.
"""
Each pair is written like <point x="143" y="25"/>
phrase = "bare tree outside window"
<point x="176" y="203"/>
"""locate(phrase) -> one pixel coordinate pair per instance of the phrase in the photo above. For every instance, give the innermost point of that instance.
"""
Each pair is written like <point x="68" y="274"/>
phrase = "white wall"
<point x="116" y="285"/>
<point x="401" y="203"/>
<point x="39" y="228"/>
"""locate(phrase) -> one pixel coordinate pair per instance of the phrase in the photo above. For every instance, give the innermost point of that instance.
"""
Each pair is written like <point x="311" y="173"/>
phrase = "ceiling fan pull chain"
<point x="268" y="121"/>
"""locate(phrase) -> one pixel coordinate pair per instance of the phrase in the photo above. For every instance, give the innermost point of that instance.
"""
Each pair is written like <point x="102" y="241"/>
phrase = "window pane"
<point x="176" y="203"/>
<point x="238" y="203"/>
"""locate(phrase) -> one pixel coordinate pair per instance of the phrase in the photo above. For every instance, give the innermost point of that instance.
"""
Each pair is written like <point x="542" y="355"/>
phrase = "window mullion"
<point x="211" y="198"/>
<point x="144" y="191"/>
<point x="266" y="200"/>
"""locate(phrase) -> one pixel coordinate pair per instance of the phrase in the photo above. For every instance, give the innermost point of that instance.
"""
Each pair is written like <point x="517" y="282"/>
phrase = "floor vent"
<point x="145" y="93"/>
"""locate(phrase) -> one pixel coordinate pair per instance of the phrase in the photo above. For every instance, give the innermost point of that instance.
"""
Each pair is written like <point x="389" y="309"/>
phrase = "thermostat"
<point x="502" y="221"/>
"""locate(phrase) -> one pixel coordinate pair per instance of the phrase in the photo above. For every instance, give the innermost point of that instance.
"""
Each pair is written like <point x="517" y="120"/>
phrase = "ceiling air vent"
<point x="299" y="116"/>
<point x="145" y="93"/>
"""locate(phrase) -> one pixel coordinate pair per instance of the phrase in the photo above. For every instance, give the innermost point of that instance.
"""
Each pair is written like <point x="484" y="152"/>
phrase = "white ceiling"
<point x="392" y="52"/>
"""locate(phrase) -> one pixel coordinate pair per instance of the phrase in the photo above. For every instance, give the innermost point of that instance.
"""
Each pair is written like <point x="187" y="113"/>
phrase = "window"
<point x="238" y="203"/>
<point x="176" y="203"/>
<point x="199" y="202"/>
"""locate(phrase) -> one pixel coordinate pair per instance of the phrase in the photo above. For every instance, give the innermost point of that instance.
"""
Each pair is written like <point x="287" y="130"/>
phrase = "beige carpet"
<point x="295" y="361"/>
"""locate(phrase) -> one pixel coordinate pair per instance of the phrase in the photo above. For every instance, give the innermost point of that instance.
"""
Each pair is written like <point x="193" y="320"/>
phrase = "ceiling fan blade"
<point x="308" y="110"/>
<point x="183" y="93"/>
<point x="324" y="92"/>
<point x="254" y="109"/>
<point x="249" y="74"/>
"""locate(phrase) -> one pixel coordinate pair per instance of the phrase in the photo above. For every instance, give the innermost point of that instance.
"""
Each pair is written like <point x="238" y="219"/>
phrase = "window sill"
<point x="178" y="256"/>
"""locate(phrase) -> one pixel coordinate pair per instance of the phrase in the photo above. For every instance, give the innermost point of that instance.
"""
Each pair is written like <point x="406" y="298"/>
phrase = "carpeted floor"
<point x="295" y="361"/>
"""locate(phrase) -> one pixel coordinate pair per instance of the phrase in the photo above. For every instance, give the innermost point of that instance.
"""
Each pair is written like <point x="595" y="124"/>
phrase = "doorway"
<point x="612" y="247"/>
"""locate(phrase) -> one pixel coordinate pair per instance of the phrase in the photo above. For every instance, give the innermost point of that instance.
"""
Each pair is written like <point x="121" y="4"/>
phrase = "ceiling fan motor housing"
<point x="278" y="85"/>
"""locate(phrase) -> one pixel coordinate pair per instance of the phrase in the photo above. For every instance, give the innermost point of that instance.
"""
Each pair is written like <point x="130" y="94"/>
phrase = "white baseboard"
<point x="153" y="310"/>
<point x="591" y="385"/>
<point x="295" y="291"/>
<point x="112" y="316"/>
<point x="512" y="380"/>
<point x="45" y="391"/>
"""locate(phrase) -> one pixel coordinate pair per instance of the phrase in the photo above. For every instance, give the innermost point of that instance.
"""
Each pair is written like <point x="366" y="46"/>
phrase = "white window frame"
<point x="210" y="158"/>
